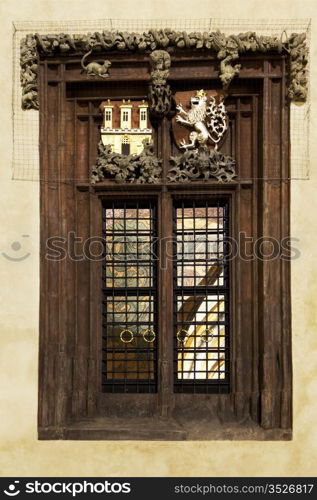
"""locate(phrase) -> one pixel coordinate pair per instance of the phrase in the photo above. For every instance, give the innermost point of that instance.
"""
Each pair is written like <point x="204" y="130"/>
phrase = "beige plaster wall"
<point x="21" y="453"/>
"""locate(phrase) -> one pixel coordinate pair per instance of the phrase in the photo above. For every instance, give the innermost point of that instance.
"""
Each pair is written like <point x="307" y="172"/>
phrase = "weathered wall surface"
<point x="21" y="452"/>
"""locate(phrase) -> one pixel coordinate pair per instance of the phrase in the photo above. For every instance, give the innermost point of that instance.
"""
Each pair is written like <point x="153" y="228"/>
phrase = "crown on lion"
<point x="201" y="93"/>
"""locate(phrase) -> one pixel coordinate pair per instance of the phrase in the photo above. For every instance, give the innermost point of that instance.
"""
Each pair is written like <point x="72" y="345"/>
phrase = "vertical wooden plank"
<point x="245" y="167"/>
<point x="52" y="340"/>
<point x="82" y="145"/>
<point x="165" y="279"/>
<point x="265" y="341"/>
<point x="243" y="336"/>
<point x="271" y="284"/>
<point x="246" y="324"/>
<point x="255" y="282"/>
<point x="67" y="292"/>
<point x="43" y="417"/>
<point x="62" y="264"/>
<point x="81" y="361"/>
<point x="95" y="327"/>
<point x="95" y="232"/>
<point x="286" y="396"/>
<point x="237" y="343"/>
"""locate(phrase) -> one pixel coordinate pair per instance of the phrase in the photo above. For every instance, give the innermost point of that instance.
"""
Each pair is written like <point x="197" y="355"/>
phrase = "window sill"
<point x="149" y="429"/>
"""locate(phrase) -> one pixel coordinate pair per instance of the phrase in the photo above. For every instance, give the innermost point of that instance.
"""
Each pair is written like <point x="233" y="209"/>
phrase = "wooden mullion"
<point x="165" y="304"/>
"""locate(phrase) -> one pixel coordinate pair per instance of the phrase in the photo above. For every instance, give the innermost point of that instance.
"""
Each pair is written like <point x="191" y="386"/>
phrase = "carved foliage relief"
<point x="227" y="49"/>
<point x="160" y="94"/>
<point x="207" y="122"/>
<point x="140" y="169"/>
<point x="206" y="119"/>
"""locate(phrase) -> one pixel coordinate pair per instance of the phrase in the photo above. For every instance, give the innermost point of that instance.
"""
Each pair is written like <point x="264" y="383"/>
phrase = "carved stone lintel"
<point x="144" y="168"/>
<point x="160" y="95"/>
<point x="201" y="164"/>
<point x="227" y="48"/>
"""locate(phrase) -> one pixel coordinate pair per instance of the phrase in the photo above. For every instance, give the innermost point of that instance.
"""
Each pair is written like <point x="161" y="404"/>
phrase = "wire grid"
<point x="25" y="157"/>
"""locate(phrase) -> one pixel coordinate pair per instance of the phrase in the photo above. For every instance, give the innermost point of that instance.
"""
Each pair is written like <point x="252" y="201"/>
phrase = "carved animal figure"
<point x="94" y="68"/>
<point x="29" y="97"/>
<point x="209" y="121"/>
<point x="160" y="61"/>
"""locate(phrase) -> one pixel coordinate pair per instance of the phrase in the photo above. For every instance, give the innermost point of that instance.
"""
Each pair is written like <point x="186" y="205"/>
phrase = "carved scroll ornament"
<point x="139" y="169"/>
<point x="227" y="48"/>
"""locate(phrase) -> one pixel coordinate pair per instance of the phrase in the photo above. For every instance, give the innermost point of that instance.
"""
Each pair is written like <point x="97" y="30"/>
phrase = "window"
<point x="201" y="297"/>
<point x="108" y="118"/>
<point x="125" y="146"/>
<point x="126" y="118"/>
<point x="143" y="118"/>
<point x="129" y="298"/>
<point x="183" y="342"/>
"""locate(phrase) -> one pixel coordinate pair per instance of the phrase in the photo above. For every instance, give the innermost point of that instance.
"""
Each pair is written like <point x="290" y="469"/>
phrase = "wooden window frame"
<point x="71" y="404"/>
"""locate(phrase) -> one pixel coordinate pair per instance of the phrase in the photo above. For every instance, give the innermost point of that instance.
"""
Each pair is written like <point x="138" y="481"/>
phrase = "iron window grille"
<point x="129" y="298"/>
<point x="201" y="294"/>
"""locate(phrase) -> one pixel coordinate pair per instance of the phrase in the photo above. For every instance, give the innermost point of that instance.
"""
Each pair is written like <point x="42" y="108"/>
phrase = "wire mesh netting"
<point x="25" y="163"/>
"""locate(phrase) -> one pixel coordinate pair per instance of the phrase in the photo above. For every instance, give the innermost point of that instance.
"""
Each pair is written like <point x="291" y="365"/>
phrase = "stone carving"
<point x="160" y="66"/>
<point x="61" y="43"/>
<point x="140" y="169"/>
<point x="231" y="47"/>
<point x="227" y="48"/>
<point x="201" y="164"/>
<point x="160" y="95"/>
<point x="94" y="68"/>
<point x="28" y="76"/>
<point x="298" y="50"/>
<point x="209" y="121"/>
